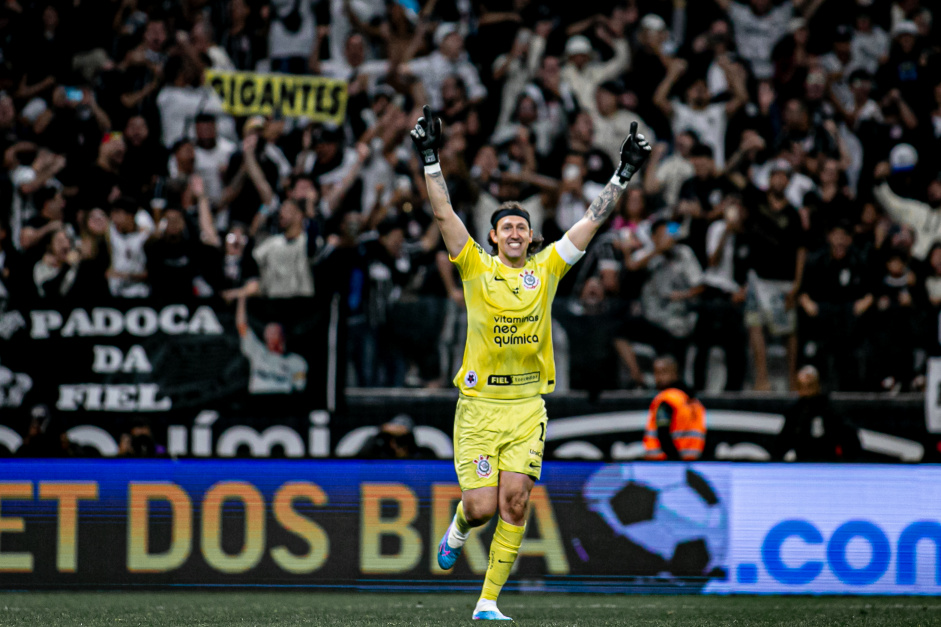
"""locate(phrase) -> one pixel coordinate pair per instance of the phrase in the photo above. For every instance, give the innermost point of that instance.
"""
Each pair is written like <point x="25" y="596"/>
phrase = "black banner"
<point x="107" y="366"/>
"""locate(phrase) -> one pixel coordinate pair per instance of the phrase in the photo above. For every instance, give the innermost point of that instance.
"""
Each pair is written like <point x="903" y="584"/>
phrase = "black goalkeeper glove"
<point x="427" y="137"/>
<point x="634" y="153"/>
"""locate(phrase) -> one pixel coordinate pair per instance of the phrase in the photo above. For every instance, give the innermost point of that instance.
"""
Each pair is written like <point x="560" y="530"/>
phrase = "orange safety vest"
<point x="687" y="425"/>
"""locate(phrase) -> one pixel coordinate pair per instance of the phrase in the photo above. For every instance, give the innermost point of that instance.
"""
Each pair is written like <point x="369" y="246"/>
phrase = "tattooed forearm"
<point x="437" y="178"/>
<point x="605" y="203"/>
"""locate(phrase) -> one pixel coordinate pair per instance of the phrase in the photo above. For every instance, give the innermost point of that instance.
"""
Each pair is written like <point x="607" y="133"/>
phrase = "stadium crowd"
<point x="793" y="198"/>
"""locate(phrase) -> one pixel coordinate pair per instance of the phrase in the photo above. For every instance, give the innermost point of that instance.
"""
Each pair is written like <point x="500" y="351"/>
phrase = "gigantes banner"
<point x="319" y="98"/>
<point x="631" y="527"/>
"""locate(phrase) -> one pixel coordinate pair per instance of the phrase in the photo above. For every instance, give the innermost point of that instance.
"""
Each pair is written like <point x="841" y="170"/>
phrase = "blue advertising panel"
<point x="828" y="529"/>
<point x="632" y="527"/>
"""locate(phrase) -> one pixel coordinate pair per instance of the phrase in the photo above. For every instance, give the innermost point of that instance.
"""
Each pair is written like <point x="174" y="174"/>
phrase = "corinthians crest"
<point x="484" y="469"/>
<point x="529" y="279"/>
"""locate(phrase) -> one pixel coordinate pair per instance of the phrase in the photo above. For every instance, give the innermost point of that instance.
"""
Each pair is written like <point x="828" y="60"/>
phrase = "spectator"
<point x="666" y="176"/>
<point x="835" y="295"/>
<point x="182" y="98"/>
<point x="584" y="75"/>
<point x="212" y="156"/>
<point x="933" y="278"/>
<point x="26" y="180"/>
<point x="395" y="440"/>
<point x="668" y="296"/>
<point x="612" y="122"/>
<point x="130" y="229"/>
<point x="447" y="59"/>
<point x="700" y="199"/>
<point x="759" y="24"/>
<point x="284" y="259"/>
<point x="145" y="160"/>
<point x="923" y="217"/>
<point x="242" y="44"/>
<point x="175" y="260"/>
<point x="50" y="202"/>
<point x="291" y="34"/>
<point x="676" y="426"/>
<point x="708" y="121"/>
<point x="236" y="272"/>
<point x="897" y="319"/>
<point x="776" y="258"/>
<point x="250" y="179"/>
<point x="870" y="43"/>
<point x="139" y="441"/>
<point x="101" y="182"/>
<point x="721" y="315"/>
<point x="812" y="430"/>
<point x="273" y="369"/>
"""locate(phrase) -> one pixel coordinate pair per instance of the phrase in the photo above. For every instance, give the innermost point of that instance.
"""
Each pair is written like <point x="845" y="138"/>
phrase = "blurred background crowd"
<point x="790" y="213"/>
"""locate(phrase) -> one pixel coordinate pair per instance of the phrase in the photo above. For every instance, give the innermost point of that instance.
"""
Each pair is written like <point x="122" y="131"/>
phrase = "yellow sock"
<point x="462" y="525"/>
<point x="506" y="543"/>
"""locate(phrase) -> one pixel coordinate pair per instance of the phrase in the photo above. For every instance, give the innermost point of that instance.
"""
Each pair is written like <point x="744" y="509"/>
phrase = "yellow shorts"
<point x="491" y="435"/>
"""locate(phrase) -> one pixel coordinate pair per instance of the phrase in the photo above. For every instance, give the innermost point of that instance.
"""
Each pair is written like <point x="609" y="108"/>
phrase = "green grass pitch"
<point x="263" y="608"/>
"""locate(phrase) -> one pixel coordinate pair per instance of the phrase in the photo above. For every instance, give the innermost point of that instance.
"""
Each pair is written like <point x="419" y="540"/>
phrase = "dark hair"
<point x="124" y="203"/>
<point x="656" y="224"/>
<point x="701" y="150"/>
<point x="205" y="117"/>
<point x="43" y="195"/>
<point x="172" y="69"/>
<point x="538" y="240"/>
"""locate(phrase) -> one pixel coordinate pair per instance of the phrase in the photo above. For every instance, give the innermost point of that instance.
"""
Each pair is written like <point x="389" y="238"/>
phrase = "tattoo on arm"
<point x="438" y="179"/>
<point x="602" y="206"/>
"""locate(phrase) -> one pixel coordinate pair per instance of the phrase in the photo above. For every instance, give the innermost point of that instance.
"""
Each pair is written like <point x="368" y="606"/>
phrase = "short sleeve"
<point x="553" y="262"/>
<point x="472" y="261"/>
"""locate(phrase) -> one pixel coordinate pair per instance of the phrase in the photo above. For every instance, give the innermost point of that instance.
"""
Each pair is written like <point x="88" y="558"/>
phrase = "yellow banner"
<point x="247" y="93"/>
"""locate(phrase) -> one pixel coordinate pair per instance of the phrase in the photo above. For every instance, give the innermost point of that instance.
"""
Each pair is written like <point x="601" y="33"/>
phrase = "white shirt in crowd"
<point x="128" y="257"/>
<point x="211" y="164"/>
<point x="283" y="43"/>
<point x="179" y="107"/>
<point x="677" y="271"/>
<point x="23" y="209"/>
<point x="720" y="276"/>
<point x="433" y="69"/>
<point x="709" y="124"/>
<point x="920" y="216"/>
<point x="756" y="36"/>
<point x="796" y="188"/>
<point x="284" y="267"/>
<point x="585" y="82"/>
<point x="611" y="131"/>
<point x="672" y="173"/>
<point x="868" y="48"/>
<point x="271" y="373"/>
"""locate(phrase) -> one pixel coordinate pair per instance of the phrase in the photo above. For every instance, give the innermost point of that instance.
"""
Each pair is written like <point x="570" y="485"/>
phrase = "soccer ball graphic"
<point x="669" y="511"/>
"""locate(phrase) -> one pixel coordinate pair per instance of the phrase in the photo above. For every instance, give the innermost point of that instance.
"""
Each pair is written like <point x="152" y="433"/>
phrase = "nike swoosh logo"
<point x="498" y="278"/>
<point x="505" y="561"/>
<point x="532" y="465"/>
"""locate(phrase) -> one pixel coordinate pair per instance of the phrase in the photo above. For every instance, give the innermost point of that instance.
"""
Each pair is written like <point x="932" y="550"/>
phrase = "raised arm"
<point x="634" y="152"/>
<point x="427" y="138"/>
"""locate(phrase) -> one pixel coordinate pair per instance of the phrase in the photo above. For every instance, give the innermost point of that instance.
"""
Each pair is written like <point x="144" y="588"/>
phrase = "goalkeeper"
<point x="500" y="421"/>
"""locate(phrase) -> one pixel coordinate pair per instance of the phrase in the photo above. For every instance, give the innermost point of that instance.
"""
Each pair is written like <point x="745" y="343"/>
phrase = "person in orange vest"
<point x="676" y="428"/>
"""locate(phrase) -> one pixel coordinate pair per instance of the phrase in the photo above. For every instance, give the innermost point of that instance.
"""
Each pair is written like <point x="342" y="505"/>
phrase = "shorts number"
<point x="542" y="432"/>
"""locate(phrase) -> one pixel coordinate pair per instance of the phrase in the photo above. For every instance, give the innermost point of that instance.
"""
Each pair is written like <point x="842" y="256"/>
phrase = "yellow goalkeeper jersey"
<point x="508" y="354"/>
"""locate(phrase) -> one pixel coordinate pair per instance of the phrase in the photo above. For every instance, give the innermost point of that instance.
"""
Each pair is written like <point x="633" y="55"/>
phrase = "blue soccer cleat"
<point x="447" y="555"/>
<point x="493" y="614"/>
